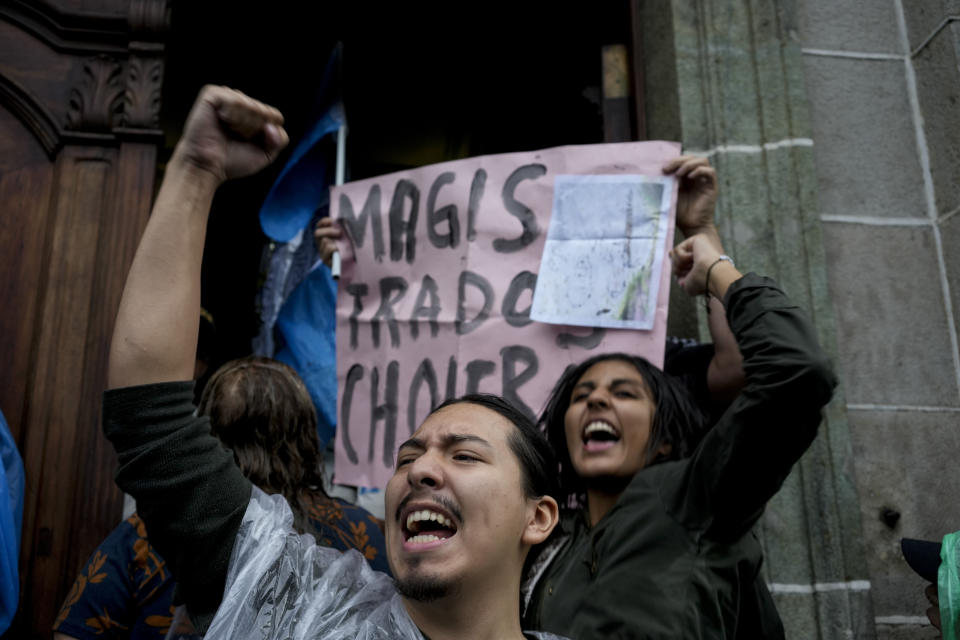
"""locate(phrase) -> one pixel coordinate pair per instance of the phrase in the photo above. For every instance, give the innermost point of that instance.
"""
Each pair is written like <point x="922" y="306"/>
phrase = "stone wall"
<point x="835" y="126"/>
<point x="727" y="79"/>
<point x="883" y="84"/>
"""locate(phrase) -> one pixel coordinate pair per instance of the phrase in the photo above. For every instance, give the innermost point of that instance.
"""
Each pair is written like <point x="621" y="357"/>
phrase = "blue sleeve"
<point x="11" y="516"/>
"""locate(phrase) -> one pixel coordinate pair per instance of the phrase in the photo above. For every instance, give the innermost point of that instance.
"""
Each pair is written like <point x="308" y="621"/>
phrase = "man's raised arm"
<point x="188" y="489"/>
<point x="227" y="135"/>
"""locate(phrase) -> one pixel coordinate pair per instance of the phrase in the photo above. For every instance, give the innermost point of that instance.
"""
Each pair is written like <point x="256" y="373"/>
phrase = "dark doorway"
<point x="422" y="83"/>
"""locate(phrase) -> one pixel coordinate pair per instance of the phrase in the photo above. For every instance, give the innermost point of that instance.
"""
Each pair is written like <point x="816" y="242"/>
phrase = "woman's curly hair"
<point x="260" y="409"/>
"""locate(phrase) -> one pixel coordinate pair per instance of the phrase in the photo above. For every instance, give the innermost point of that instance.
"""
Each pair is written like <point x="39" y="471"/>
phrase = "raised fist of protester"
<point x="697" y="197"/>
<point x="229" y="134"/>
<point x="691" y="260"/>
<point x="325" y="235"/>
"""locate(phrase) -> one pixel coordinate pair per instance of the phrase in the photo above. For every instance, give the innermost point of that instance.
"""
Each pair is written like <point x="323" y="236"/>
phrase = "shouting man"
<point x="471" y="492"/>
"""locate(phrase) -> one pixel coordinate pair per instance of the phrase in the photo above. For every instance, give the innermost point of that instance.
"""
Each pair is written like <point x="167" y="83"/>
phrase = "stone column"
<point x="725" y="79"/>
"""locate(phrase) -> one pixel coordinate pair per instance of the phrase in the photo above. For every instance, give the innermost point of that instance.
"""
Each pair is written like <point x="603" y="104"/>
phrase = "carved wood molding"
<point x="97" y="100"/>
<point x="68" y="32"/>
<point x="141" y="98"/>
<point x="119" y="89"/>
<point x="148" y="19"/>
<point x="32" y="114"/>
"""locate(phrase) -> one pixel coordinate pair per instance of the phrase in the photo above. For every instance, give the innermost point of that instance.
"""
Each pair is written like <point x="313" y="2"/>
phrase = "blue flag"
<point x="298" y="303"/>
<point x="306" y="323"/>
<point x="303" y="182"/>
<point x="11" y="518"/>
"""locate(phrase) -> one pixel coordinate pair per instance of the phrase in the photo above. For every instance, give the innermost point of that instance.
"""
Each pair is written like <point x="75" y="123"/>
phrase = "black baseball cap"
<point x="923" y="556"/>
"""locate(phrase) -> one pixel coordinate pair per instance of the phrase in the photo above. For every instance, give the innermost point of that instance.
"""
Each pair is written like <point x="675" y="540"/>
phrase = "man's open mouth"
<point x="426" y="525"/>
<point x="599" y="436"/>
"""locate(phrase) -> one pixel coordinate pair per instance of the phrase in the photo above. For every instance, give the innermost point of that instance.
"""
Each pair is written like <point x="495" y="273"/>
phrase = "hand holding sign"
<point x="326" y="234"/>
<point x="697" y="198"/>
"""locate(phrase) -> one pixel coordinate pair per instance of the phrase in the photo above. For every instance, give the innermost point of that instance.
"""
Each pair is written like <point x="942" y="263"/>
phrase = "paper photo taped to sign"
<point x="604" y="251"/>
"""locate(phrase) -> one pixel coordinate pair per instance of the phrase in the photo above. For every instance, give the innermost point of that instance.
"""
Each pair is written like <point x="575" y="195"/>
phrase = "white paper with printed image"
<point x="604" y="252"/>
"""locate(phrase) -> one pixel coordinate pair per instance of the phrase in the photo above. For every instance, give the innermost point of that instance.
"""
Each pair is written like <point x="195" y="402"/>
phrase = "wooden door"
<point x="79" y="105"/>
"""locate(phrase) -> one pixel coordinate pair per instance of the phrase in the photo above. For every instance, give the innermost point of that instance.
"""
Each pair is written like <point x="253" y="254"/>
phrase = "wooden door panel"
<point x="26" y="176"/>
<point x="95" y="511"/>
<point x="63" y="429"/>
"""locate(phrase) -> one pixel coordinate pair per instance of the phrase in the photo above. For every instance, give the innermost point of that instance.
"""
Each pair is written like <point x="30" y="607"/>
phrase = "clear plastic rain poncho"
<point x="281" y="584"/>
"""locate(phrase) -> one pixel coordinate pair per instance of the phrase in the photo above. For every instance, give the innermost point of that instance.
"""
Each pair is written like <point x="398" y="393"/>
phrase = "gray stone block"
<point x="660" y="71"/>
<point x="694" y="104"/>
<point x="783" y="536"/>
<point x="797" y="610"/>
<point x="865" y="141"/>
<point x="892" y="333"/>
<point x="835" y="602"/>
<point x="938" y="88"/>
<point x="907" y="462"/>
<point x="906" y="632"/>
<point x="741" y="57"/>
<point x="798" y="613"/>
<point x="950" y="236"/>
<point x="744" y="212"/>
<point x="849" y="25"/>
<point x="924" y="16"/>
<point x="778" y="70"/>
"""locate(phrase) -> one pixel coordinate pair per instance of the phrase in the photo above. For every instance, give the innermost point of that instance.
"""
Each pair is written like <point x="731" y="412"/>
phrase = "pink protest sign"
<point x="439" y="269"/>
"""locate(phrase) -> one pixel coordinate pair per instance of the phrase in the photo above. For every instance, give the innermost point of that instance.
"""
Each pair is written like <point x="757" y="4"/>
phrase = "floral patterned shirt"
<point x="125" y="591"/>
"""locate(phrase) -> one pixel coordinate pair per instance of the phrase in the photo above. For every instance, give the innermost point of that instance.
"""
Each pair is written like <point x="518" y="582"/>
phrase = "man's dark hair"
<point x="677" y="420"/>
<point x="531" y="448"/>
